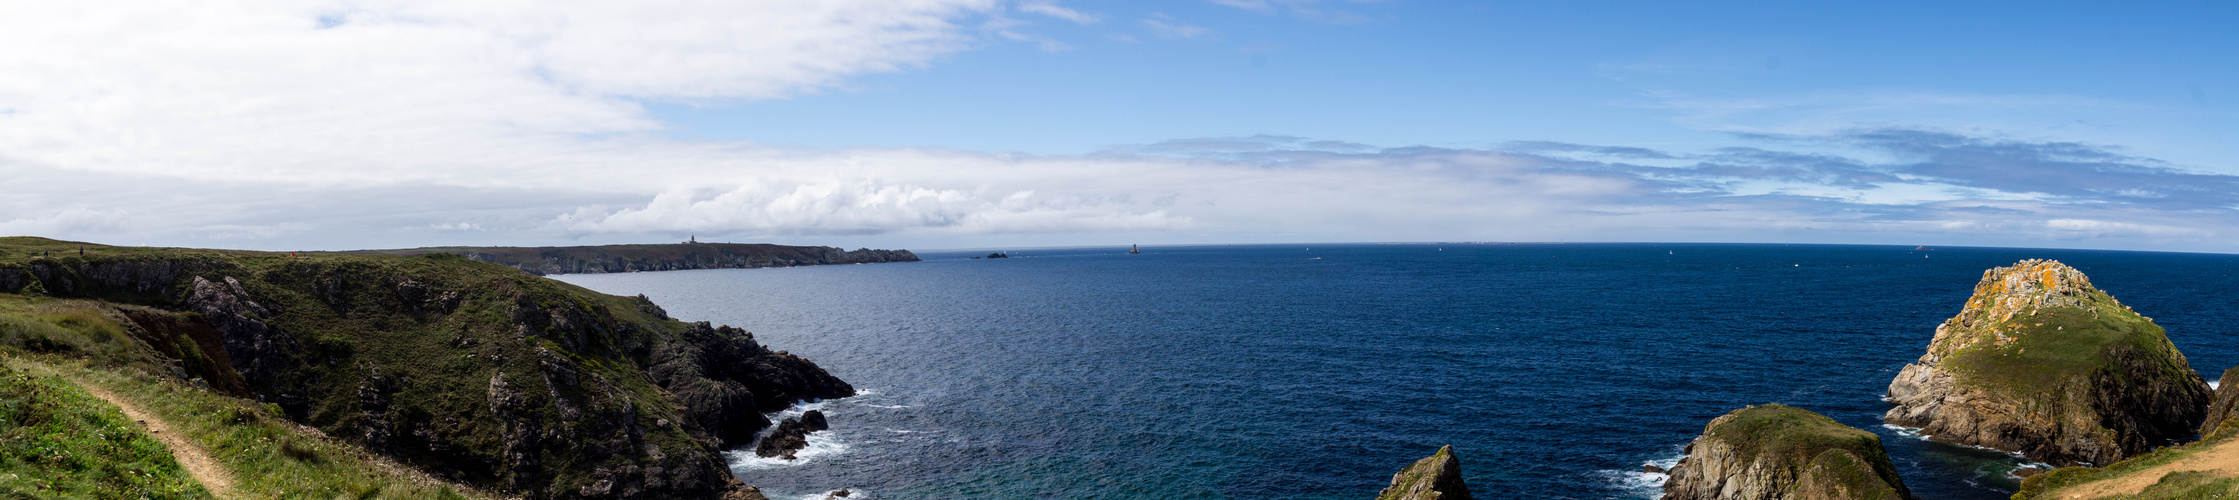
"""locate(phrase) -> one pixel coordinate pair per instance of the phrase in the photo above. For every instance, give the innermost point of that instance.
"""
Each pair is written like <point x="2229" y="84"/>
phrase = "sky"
<point x="930" y="124"/>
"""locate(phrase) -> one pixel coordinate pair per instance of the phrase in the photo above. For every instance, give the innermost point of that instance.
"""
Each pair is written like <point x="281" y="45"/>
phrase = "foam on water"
<point x="1637" y="483"/>
<point x="852" y="494"/>
<point x="2213" y="384"/>
<point x="823" y="445"/>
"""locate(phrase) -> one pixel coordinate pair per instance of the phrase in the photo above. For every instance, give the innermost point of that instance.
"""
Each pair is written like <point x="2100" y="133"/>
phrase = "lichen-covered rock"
<point x="2226" y="404"/>
<point x="2044" y="364"/>
<point x="1437" y="477"/>
<point x="1778" y="452"/>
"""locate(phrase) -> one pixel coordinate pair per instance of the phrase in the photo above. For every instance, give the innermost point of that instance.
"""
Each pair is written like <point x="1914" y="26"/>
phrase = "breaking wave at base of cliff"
<point x="1639" y="484"/>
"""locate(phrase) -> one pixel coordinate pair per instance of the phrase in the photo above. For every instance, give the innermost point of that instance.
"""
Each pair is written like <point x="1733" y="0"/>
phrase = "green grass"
<point x="2071" y="476"/>
<point x="2056" y="344"/>
<point x="268" y="457"/>
<point x="57" y="441"/>
<point x="351" y="316"/>
<point x="46" y="342"/>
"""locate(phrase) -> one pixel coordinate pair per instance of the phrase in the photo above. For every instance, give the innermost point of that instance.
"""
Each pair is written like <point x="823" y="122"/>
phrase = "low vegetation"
<point x="57" y="441"/>
<point x="61" y="442"/>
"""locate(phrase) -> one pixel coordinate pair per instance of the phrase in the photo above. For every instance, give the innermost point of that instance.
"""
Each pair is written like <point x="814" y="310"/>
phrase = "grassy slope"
<point x="50" y="339"/>
<point x="2043" y="350"/>
<point x="2173" y="486"/>
<point x="56" y="441"/>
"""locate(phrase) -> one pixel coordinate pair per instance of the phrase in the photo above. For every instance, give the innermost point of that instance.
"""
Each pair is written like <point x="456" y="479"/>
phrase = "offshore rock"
<point x="2042" y="363"/>
<point x="2226" y="405"/>
<point x="1778" y="452"/>
<point x="1437" y="477"/>
<point x="790" y="436"/>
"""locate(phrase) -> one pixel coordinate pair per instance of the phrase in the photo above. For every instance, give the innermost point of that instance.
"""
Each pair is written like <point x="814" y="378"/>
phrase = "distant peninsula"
<point x="543" y="261"/>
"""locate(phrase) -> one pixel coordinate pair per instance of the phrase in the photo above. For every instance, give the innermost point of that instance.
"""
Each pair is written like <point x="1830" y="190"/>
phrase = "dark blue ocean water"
<point x="1313" y="371"/>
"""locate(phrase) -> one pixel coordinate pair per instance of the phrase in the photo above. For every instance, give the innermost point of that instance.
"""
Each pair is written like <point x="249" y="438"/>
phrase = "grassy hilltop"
<point x="476" y="372"/>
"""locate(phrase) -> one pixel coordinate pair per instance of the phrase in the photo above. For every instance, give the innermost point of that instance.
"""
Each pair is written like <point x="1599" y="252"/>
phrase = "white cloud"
<point x="346" y="92"/>
<point x="1166" y="26"/>
<point x="74" y="221"/>
<point x="1053" y="10"/>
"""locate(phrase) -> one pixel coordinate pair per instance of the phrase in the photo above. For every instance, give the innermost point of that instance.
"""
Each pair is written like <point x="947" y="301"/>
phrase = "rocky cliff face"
<point x="1776" y="452"/>
<point x="2224" y="407"/>
<point x="2042" y="363"/>
<point x="1437" y="477"/>
<point x="465" y="369"/>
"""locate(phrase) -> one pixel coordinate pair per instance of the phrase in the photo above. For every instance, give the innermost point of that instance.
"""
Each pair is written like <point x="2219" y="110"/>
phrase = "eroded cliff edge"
<point x="466" y="369"/>
<point x="2042" y="363"/>
<point x="1778" y="452"/>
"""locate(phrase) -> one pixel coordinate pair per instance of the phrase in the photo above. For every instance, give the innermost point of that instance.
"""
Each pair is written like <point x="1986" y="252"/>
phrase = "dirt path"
<point x="2223" y="460"/>
<point x="198" y="463"/>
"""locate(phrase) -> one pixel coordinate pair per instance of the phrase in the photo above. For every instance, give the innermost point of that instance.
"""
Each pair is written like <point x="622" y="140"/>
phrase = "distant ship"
<point x="1922" y="247"/>
<point x="1134" y="249"/>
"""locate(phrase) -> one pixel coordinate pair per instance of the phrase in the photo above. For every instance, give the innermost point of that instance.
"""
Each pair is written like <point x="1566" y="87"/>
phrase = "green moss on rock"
<point x="1782" y="452"/>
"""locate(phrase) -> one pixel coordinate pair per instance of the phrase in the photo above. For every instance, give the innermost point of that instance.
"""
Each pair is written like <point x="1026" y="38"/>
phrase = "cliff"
<point x="1437" y="477"/>
<point x="1777" y="452"/>
<point x="2042" y="363"/>
<point x="2224" y="406"/>
<point x="670" y="257"/>
<point x="467" y="369"/>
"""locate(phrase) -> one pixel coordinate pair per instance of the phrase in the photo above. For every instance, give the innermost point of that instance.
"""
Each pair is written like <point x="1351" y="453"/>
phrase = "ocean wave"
<point x="852" y="494"/>
<point x="1914" y="432"/>
<point x="823" y="445"/>
<point x="1638" y="484"/>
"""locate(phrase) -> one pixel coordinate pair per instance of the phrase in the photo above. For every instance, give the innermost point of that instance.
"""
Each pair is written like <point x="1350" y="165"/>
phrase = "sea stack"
<point x="1437" y="477"/>
<point x="2043" y="364"/>
<point x="1778" y="452"/>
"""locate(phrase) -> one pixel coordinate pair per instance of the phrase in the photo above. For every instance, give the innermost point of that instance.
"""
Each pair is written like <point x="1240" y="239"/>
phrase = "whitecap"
<point x="1637" y="483"/>
<point x="852" y="494"/>
<point x="2213" y="384"/>
<point x="823" y="445"/>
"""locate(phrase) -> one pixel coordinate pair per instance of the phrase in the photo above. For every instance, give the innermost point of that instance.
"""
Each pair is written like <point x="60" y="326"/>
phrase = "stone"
<point x="1437" y="477"/>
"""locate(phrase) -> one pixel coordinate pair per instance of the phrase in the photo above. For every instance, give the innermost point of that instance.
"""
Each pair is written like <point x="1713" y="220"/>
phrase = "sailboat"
<point x="1134" y="249"/>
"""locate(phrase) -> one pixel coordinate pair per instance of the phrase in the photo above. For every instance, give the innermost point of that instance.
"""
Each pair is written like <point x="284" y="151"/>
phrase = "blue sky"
<point x="1480" y="74"/>
<point x="335" y="124"/>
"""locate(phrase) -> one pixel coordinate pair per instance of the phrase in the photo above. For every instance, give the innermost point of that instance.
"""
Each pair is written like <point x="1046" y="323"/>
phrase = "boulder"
<point x="2042" y="363"/>
<point x="789" y="436"/>
<point x="814" y="421"/>
<point x="1778" y="452"/>
<point x="1437" y="477"/>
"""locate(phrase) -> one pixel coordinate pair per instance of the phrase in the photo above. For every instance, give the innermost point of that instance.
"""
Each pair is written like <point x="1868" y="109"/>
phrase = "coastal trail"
<point x="2221" y="460"/>
<point x="198" y="462"/>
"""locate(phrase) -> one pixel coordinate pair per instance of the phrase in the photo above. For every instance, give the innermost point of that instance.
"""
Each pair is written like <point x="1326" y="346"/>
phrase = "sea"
<point x="1316" y="371"/>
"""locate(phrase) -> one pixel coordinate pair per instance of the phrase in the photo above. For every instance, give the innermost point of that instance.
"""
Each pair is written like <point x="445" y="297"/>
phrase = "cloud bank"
<point x="347" y="124"/>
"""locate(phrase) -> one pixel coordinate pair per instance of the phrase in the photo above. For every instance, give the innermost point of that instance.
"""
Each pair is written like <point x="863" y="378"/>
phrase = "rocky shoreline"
<point x="473" y="372"/>
<point x="2039" y="363"/>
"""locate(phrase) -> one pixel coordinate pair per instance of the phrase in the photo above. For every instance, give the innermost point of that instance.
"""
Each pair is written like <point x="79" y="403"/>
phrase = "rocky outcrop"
<point x="670" y="257"/>
<point x="2042" y="363"/>
<point x="1777" y="452"/>
<point x="2225" y="405"/>
<point x="1437" y="477"/>
<point x="789" y="436"/>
